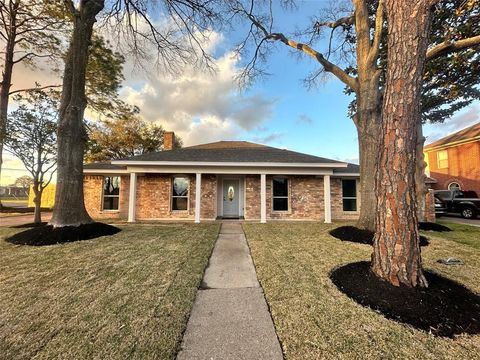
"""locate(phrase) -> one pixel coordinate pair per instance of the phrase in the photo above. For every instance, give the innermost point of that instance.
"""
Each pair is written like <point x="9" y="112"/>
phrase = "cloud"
<point x="436" y="131"/>
<point x="304" y="119"/>
<point x="200" y="106"/>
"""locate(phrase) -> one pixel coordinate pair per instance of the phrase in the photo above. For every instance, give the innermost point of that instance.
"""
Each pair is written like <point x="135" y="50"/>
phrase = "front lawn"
<point x="123" y="296"/>
<point x="315" y="320"/>
<point x="463" y="234"/>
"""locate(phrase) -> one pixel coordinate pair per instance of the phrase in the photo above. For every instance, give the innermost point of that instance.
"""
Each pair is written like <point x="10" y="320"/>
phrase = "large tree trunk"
<point x="7" y="77"/>
<point x="396" y="250"/>
<point x="368" y="121"/>
<point x="368" y="142"/>
<point x="69" y="209"/>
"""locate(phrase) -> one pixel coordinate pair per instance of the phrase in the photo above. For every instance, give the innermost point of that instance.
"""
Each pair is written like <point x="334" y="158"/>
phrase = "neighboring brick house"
<point x="454" y="161"/>
<point x="226" y="179"/>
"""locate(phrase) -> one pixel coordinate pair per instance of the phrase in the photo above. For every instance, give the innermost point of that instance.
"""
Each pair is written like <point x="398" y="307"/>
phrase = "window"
<point x="180" y="193"/>
<point x="454" y="186"/>
<point x="280" y="194"/>
<point x="349" y="195"/>
<point x="442" y="159"/>
<point x="111" y="192"/>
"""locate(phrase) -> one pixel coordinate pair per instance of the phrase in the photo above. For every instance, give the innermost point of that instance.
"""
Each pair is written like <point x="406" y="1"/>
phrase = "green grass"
<point x="117" y="297"/>
<point x="463" y="234"/>
<point x="314" y="320"/>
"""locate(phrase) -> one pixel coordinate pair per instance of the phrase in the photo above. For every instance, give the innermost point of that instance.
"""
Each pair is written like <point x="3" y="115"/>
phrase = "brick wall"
<point x="93" y="192"/>
<point x="252" y="197"/>
<point x="463" y="167"/>
<point x="306" y="198"/>
<point x="430" y="207"/>
<point x="153" y="198"/>
<point x="337" y="201"/>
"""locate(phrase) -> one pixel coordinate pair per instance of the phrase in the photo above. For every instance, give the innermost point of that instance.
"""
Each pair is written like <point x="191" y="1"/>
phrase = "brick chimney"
<point x="168" y="140"/>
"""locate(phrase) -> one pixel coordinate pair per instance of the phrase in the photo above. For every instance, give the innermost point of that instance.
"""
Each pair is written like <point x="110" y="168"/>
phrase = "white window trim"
<point x="110" y="196"/>
<point x="184" y="196"/>
<point x="351" y="197"/>
<point x="282" y="197"/>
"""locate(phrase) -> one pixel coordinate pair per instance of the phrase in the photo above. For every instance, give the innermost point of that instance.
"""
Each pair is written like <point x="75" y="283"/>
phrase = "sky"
<point x="277" y="110"/>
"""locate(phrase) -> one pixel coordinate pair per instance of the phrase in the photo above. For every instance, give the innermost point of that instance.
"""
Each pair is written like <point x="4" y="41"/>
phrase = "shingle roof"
<point x="350" y="169"/>
<point x="468" y="133"/>
<point x="236" y="151"/>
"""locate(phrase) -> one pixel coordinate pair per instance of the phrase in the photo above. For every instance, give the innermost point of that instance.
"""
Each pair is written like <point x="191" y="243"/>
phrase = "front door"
<point x="230" y="198"/>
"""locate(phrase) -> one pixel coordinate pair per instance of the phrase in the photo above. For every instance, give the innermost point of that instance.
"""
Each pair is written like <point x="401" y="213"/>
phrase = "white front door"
<point x="230" y="198"/>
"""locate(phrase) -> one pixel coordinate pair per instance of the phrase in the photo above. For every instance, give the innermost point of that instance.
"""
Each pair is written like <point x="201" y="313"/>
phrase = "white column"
<point x="132" y="197"/>
<point x="198" y="196"/>
<point x="263" y="198"/>
<point x="326" y="199"/>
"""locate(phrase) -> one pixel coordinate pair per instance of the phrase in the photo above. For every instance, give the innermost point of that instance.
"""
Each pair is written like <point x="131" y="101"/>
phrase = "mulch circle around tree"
<point x="354" y="234"/>
<point x="429" y="226"/>
<point x="446" y="308"/>
<point x="48" y="235"/>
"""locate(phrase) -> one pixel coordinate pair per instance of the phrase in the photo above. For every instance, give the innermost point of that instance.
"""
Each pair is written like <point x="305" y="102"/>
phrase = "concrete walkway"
<point x="230" y="318"/>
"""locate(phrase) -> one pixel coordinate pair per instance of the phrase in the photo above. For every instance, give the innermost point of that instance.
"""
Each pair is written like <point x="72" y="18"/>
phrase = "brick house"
<point x="226" y="179"/>
<point x="454" y="161"/>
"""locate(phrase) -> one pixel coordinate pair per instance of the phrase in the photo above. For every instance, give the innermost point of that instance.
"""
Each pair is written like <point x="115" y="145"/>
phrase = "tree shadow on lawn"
<point x="354" y="234"/>
<point x="446" y="308"/>
<point x="48" y="235"/>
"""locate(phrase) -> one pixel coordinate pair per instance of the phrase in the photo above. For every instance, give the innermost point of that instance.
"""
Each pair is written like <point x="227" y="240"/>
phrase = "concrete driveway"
<point x="457" y="219"/>
<point x="22" y="219"/>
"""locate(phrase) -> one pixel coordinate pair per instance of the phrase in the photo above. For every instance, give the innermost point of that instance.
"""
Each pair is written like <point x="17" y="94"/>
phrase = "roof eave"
<point x="225" y="163"/>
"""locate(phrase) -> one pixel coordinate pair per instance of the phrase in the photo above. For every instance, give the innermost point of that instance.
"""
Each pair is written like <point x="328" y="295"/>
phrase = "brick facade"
<point x="153" y="198"/>
<point x="93" y="198"/>
<point x="337" y="201"/>
<point x="463" y="167"/>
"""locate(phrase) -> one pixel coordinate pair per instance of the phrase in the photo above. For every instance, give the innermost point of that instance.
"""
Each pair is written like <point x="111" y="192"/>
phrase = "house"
<point x="225" y="179"/>
<point x="454" y="161"/>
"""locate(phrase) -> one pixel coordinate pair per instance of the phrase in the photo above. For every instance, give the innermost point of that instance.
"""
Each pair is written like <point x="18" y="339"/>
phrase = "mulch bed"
<point x="48" y="235"/>
<point x="445" y="308"/>
<point x="354" y="234"/>
<point x="429" y="226"/>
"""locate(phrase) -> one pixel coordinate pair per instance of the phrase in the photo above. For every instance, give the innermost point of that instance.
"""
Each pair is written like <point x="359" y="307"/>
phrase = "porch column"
<point x="326" y="199"/>
<point x="132" y="197"/>
<point x="198" y="196"/>
<point x="263" y="198"/>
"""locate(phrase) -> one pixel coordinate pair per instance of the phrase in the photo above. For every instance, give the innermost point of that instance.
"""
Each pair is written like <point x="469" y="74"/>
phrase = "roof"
<point x="469" y="133"/>
<point x="350" y="169"/>
<point x="229" y="152"/>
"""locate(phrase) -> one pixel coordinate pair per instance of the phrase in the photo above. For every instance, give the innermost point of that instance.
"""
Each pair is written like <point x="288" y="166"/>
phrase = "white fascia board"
<point x="229" y="170"/>
<point x="224" y="164"/>
<point x="337" y="175"/>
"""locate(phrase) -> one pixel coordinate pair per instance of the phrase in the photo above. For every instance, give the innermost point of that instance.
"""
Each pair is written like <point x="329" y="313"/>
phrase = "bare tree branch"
<point x="377" y="37"/>
<point x="449" y="46"/>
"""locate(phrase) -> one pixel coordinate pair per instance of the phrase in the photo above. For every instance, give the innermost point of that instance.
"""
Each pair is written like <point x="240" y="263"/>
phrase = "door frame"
<point x="237" y="180"/>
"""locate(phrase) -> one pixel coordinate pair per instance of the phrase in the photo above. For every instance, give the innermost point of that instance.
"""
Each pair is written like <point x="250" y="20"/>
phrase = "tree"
<point x="29" y="31"/>
<point x="124" y="137"/>
<point x="31" y="137"/>
<point x="396" y="248"/>
<point x="362" y="37"/>
<point x="24" y="182"/>
<point x="177" y="43"/>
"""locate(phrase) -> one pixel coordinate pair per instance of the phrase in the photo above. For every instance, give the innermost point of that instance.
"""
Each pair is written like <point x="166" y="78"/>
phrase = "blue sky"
<point x="277" y="110"/>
